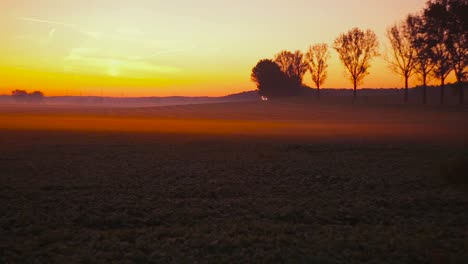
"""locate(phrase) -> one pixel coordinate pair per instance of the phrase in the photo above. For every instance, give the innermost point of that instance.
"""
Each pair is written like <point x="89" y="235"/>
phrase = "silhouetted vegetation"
<point x="452" y="16"/>
<point x="403" y="56"/>
<point x="293" y="66"/>
<point x="432" y="43"/>
<point x="270" y="80"/>
<point x="438" y="38"/>
<point x="23" y="96"/>
<point x="356" y="48"/>
<point x="423" y="49"/>
<point x="316" y="59"/>
<point x="282" y="76"/>
<point x="437" y="28"/>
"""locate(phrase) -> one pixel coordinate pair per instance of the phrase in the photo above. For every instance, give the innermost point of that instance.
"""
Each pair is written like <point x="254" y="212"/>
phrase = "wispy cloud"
<point x="86" y="58"/>
<point x="43" y="21"/>
<point x="110" y="62"/>
<point x="92" y="34"/>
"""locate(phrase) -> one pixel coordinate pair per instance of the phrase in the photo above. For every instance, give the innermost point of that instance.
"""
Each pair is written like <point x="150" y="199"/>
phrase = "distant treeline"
<point x="432" y="43"/>
<point x="23" y="96"/>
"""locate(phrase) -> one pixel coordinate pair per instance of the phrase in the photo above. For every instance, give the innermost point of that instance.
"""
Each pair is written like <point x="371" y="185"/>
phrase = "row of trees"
<point x="430" y="44"/>
<point x="284" y="75"/>
<point x="23" y="96"/>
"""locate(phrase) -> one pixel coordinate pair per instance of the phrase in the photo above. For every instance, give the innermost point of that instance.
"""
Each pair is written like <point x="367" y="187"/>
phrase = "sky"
<point x="177" y="47"/>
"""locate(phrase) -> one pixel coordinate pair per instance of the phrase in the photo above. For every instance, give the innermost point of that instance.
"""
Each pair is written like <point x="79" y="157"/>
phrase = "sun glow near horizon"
<point x="146" y="48"/>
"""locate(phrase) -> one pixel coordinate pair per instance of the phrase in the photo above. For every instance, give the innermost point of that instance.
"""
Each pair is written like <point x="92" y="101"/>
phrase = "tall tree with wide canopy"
<point x="356" y="48"/>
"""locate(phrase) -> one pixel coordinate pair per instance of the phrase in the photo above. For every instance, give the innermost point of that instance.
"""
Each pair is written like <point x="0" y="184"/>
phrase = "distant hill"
<point x="141" y="101"/>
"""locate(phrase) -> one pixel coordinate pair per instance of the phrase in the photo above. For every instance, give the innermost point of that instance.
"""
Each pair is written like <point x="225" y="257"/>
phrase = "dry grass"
<point x="86" y="197"/>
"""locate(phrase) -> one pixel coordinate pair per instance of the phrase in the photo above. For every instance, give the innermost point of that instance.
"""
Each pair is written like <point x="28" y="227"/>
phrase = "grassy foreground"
<point x="94" y="197"/>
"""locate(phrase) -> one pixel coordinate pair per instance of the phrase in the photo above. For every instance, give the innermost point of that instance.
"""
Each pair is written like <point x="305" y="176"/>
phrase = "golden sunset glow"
<point x="160" y="48"/>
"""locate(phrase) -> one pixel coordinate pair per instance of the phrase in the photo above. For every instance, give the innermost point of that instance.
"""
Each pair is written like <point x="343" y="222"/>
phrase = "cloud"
<point x="87" y="59"/>
<point x="109" y="61"/>
<point x="92" y="34"/>
<point x="43" y="21"/>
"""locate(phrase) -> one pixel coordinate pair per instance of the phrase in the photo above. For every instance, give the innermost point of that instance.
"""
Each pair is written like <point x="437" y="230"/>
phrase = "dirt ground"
<point x="242" y="182"/>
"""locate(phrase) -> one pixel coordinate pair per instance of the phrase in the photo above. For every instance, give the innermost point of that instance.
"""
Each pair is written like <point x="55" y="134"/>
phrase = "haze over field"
<point x="289" y="119"/>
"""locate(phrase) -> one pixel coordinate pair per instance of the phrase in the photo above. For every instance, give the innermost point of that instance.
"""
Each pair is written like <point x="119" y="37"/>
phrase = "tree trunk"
<point x="406" y="89"/>
<point x="318" y="91"/>
<point x="424" y="90"/>
<point x="442" y="88"/>
<point x="460" y="86"/>
<point x="355" y="91"/>
<point x="462" y="93"/>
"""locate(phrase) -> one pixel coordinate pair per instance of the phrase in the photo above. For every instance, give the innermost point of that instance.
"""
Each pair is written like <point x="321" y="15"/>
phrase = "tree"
<point x="403" y="55"/>
<point x="316" y="59"/>
<point x="420" y="40"/>
<point x="436" y="17"/>
<point x="270" y="80"/>
<point x="36" y="96"/>
<point x="19" y="95"/>
<point x="458" y="41"/>
<point x="356" y="48"/>
<point x="451" y="16"/>
<point x="293" y="66"/>
<point x="23" y="96"/>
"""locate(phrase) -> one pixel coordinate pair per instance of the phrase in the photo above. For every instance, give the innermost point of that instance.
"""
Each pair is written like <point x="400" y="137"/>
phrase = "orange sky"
<point x="160" y="48"/>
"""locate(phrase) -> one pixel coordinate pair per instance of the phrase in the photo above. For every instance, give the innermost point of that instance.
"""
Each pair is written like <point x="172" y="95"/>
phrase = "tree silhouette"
<point x="458" y="41"/>
<point x="356" y="48"/>
<point x="449" y="21"/>
<point x="36" y="96"/>
<point x="270" y="80"/>
<point x="293" y="66"/>
<point x="420" y="41"/>
<point x="19" y="95"/>
<point x="23" y="96"/>
<point x="436" y="17"/>
<point x="316" y="59"/>
<point x="403" y="54"/>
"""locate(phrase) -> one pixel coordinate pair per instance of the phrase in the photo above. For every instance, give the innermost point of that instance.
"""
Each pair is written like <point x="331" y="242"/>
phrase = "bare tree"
<point x="403" y="54"/>
<point x="423" y="47"/>
<point x="356" y="48"/>
<point x="436" y="16"/>
<point x="316" y="59"/>
<point x="457" y="42"/>
<point x="293" y="65"/>
<point x="442" y="66"/>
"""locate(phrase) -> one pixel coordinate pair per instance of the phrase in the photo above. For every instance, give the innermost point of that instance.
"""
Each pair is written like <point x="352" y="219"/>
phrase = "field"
<point x="290" y="181"/>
